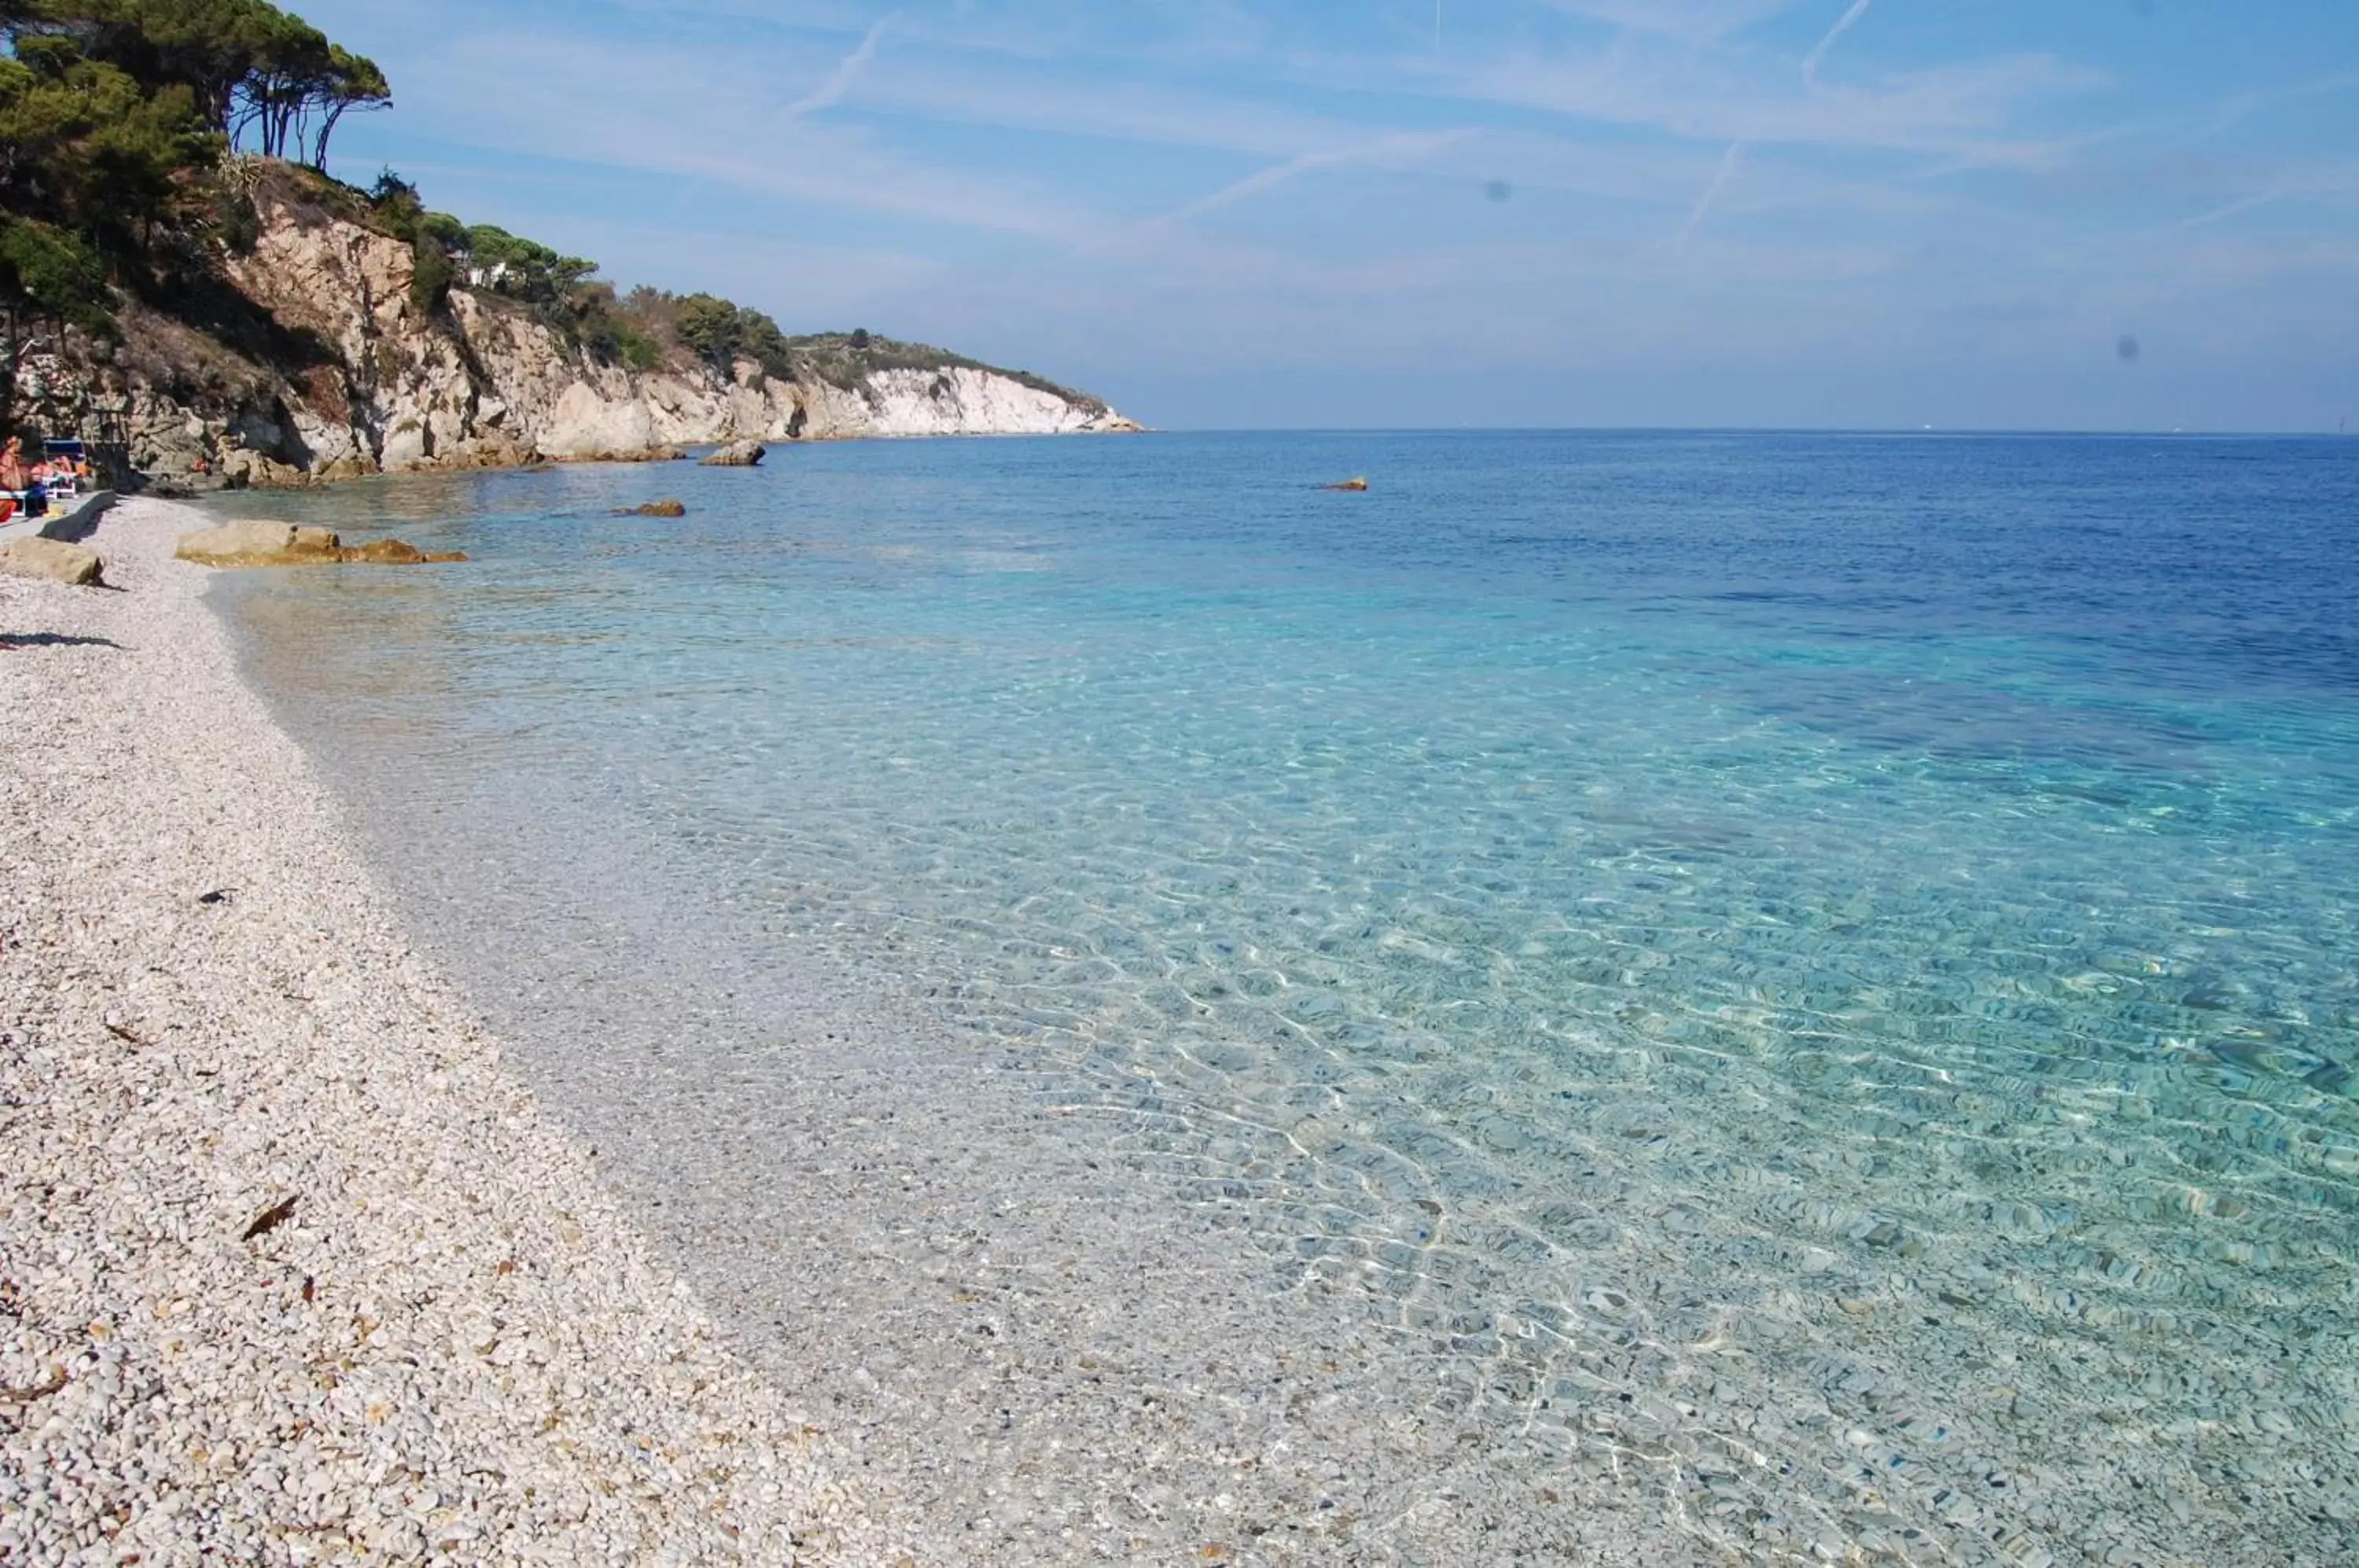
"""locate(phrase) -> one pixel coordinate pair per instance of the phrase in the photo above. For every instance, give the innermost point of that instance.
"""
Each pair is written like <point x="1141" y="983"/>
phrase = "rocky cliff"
<point x="327" y="367"/>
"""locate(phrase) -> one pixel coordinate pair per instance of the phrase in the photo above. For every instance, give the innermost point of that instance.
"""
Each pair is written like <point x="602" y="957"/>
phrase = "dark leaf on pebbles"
<point x="124" y="1035"/>
<point x="271" y="1218"/>
<point x="218" y="896"/>
<point x="36" y="1391"/>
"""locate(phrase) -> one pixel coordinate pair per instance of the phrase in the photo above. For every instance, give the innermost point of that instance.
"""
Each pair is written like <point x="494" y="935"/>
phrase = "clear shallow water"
<point x="1809" y="982"/>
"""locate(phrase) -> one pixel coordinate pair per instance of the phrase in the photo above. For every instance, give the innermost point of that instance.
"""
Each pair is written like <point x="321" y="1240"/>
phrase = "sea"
<point x="1634" y="997"/>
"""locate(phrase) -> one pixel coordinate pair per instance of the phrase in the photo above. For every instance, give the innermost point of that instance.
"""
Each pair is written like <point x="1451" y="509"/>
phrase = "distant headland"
<point x="185" y="287"/>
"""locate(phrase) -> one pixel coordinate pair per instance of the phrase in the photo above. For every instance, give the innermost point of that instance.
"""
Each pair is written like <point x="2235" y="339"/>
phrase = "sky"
<point x="2084" y="214"/>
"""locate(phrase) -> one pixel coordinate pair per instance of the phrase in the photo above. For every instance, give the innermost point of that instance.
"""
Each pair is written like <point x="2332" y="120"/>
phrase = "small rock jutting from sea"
<point x="259" y="543"/>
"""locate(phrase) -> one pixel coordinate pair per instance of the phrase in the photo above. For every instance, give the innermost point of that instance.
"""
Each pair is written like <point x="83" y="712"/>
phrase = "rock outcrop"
<point x="653" y="509"/>
<point x="336" y="370"/>
<point x="257" y="544"/>
<point x="253" y="543"/>
<point x="739" y="454"/>
<point x="75" y="565"/>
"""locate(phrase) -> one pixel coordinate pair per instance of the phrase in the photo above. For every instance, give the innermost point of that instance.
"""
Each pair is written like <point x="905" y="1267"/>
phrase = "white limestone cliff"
<point x="357" y="379"/>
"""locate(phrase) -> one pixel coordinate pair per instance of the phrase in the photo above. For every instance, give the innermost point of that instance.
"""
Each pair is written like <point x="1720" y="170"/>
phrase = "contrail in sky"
<point x="1407" y="144"/>
<point x="832" y="91"/>
<point x="1720" y="179"/>
<point x="1727" y="168"/>
<point x="1849" y="17"/>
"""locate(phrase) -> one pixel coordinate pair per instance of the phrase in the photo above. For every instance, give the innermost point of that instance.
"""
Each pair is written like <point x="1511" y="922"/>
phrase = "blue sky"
<point x="1787" y="212"/>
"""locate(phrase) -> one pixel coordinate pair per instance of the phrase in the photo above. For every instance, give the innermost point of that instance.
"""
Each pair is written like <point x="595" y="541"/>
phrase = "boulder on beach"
<point x="653" y="509"/>
<point x="256" y="543"/>
<point x="75" y="565"/>
<point x="739" y="454"/>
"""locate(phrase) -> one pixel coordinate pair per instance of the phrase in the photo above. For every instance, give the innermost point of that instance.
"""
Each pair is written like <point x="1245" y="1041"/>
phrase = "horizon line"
<point x="2051" y="430"/>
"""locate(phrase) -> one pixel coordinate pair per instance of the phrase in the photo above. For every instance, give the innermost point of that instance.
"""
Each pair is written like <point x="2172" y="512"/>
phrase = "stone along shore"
<point x="292" y="1269"/>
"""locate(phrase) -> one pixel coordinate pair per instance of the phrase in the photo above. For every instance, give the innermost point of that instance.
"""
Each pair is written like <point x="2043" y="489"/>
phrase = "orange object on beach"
<point x="7" y="508"/>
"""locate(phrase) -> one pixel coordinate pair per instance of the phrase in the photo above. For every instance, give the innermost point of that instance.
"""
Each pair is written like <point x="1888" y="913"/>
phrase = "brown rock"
<point x="653" y="509"/>
<point x="635" y="454"/>
<point x="1351" y="484"/>
<point x="739" y="454"/>
<point x="252" y="470"/>
<point x="75" y="565"/>
<point x="246" y="543"/>
<point x="384" y="552"/>
<point x="283" y="544"/>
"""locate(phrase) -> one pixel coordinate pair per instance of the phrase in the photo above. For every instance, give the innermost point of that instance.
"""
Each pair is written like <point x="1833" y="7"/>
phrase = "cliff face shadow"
<point x="212" y="305"/>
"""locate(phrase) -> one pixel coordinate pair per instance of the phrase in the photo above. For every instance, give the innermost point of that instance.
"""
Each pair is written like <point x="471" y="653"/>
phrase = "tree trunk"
<point x="328" y="129"/>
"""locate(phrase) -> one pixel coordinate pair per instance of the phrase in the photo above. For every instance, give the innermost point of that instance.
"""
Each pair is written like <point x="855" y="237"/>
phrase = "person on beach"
<point x="24" y="481"/>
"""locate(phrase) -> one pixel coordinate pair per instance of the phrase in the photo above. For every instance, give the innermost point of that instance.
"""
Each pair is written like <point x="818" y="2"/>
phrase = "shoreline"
<point x="454" y="1343"/>
<point x="997" y="1272"/>
<point x="175" y="491"/>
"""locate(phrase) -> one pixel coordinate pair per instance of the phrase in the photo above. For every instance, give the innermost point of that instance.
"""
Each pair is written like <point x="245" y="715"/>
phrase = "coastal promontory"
<point x="251" y="321"/>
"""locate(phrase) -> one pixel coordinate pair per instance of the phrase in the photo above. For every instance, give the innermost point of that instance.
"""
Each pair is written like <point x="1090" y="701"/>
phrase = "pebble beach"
<point x="292" y="1268"/>
<point x="908" y="1050"/>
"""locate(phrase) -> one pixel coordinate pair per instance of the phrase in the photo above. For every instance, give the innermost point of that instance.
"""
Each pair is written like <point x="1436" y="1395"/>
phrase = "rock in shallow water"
<point x="256" y="543"/>
<point x="394" y="552"/>
<point x="739" y="454"/>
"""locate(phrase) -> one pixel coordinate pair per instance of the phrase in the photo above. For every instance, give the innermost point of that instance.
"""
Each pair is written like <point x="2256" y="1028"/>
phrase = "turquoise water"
<point x="1819" y="968"/>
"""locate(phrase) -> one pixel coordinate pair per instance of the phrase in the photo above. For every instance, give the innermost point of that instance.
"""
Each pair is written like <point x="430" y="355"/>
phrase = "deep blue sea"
<point x="1821" y="970"/>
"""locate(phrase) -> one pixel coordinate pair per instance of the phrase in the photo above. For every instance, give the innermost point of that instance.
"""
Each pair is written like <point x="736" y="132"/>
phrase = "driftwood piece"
<point x="271" y="1218"/>
<point x="36" y="1391"/>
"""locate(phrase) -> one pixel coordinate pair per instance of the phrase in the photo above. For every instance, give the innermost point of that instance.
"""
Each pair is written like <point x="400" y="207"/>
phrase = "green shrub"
<point x="239" y="224"/>
<point x="432" y="274"/>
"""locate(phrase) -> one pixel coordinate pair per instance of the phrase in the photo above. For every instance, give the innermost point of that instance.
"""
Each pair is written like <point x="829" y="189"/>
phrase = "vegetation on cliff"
<point x="645" y="329"/>
<point x="141" y="142"/>
<point x="115" y="118"/>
